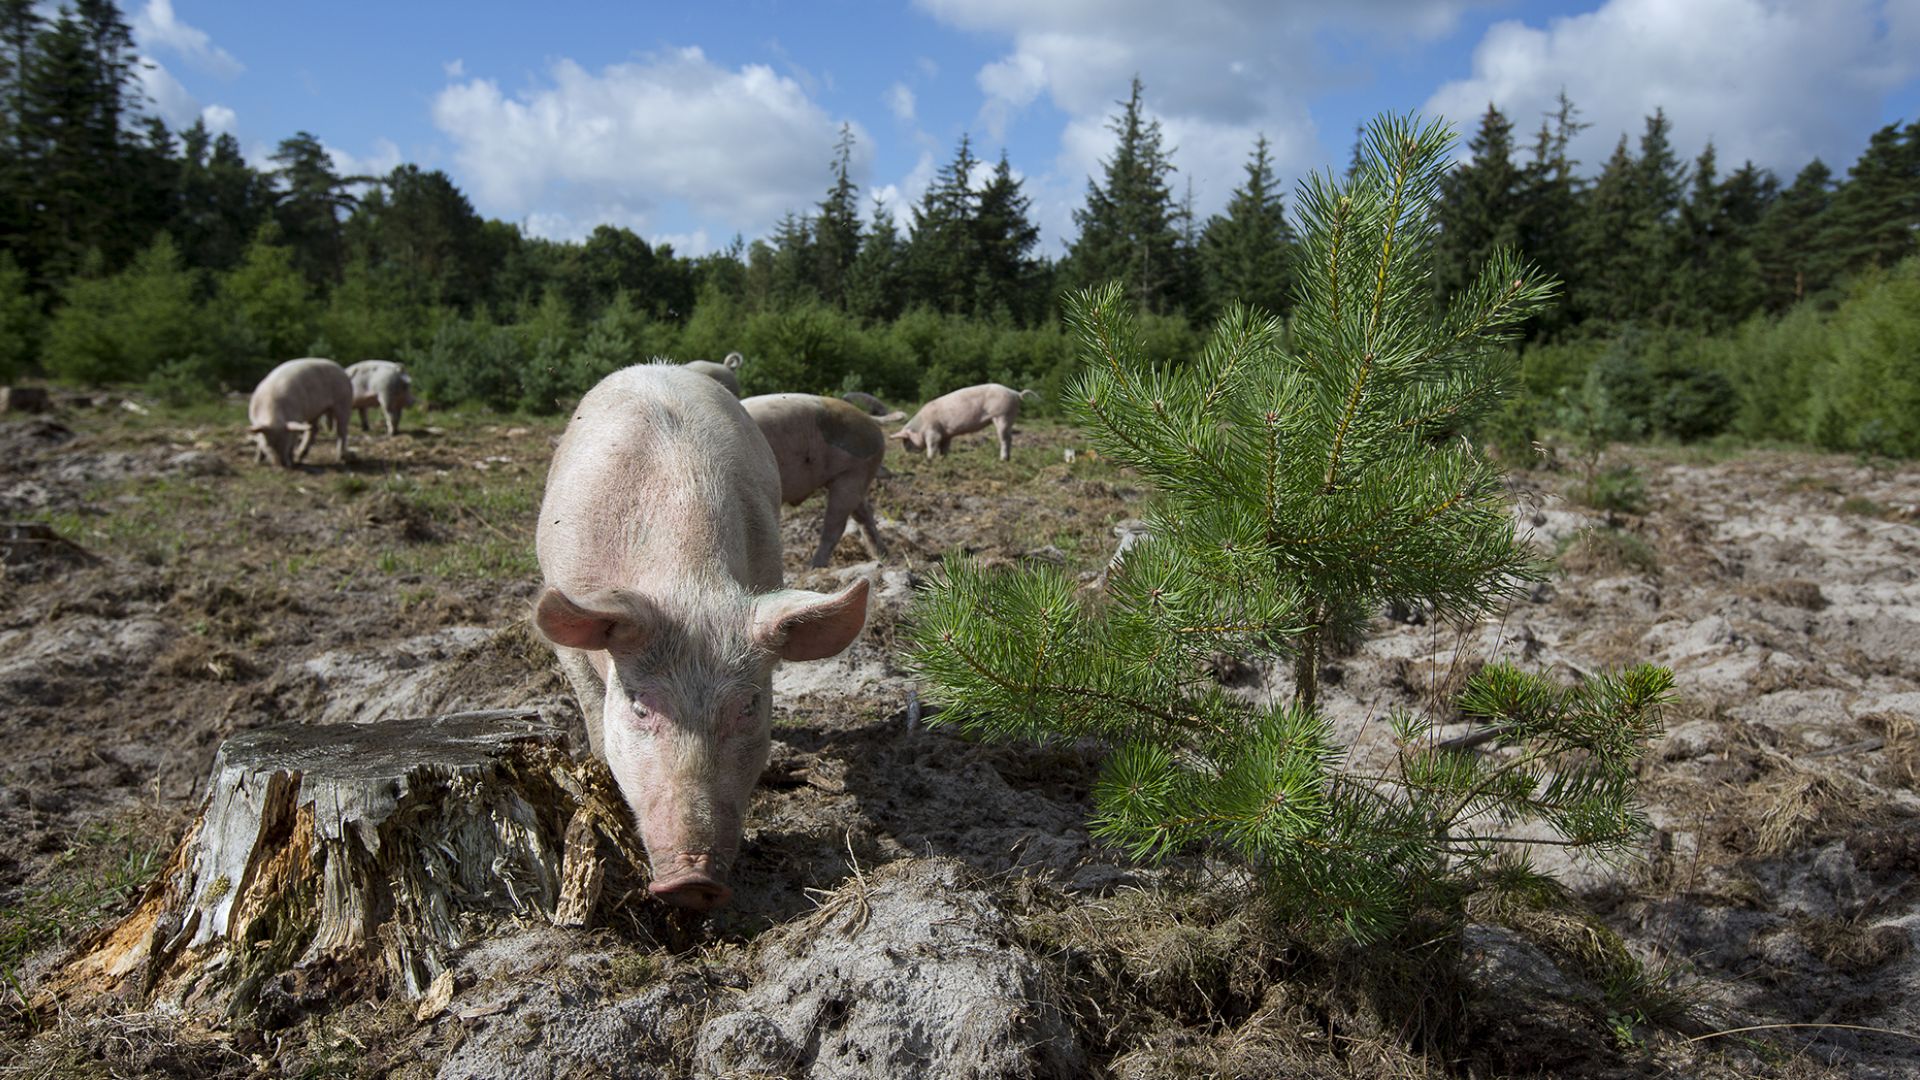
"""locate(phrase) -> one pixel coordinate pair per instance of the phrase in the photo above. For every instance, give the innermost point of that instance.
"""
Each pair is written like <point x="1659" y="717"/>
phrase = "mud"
<point x="219" y="596"/>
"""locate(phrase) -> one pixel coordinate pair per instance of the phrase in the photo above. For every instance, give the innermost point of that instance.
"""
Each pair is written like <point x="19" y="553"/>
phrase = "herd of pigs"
<point x="659" y="542"/>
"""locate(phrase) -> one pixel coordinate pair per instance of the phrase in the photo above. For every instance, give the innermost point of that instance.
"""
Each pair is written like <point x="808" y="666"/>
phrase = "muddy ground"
<point x="911" y="902"/>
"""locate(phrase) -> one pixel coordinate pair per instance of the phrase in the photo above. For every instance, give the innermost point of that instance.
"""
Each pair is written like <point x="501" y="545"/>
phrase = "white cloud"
<point x="1217" y="76"/>
<point x="156" y="27"/>
<point x="738" y="146"/>
<point x="171" y="101"/>
<point x="384" y="158"/>
<point x="1777" y="82"/>
<point x="219" y="119"/>
<point x="455" y="68"/>
<point x="900" y="103"/>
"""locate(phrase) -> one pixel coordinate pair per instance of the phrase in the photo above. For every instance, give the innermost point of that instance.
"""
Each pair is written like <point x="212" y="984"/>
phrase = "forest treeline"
<point x="1696" y="300"/>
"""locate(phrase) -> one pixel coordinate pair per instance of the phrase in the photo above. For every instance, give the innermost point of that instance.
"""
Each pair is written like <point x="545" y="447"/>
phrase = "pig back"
<point x="300" y="391"/>
<point x="371" y="377"/>
<point x="815" y="439"/>
<point x="660" y="475"/>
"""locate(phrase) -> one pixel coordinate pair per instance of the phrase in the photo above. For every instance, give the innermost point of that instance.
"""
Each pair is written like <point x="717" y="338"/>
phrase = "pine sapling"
<point x="1297" y="489"/>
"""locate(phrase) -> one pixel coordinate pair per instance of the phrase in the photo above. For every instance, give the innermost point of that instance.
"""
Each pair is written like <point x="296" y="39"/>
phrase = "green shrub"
<point x="126" y="326"/>
<point x="21" y="323"/>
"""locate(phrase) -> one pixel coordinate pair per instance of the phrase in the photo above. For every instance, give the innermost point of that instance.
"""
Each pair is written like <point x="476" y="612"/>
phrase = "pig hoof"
<point x="695" y="892"/>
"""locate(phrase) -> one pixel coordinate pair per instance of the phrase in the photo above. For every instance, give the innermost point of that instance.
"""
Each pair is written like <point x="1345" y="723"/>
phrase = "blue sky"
<point x="694" y="122"/>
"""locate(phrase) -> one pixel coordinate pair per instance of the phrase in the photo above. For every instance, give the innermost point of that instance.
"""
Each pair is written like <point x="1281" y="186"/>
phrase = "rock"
<point x="905" y="973"/>
<point x="199" y="463"/>
<point x="1523" y="1009"/>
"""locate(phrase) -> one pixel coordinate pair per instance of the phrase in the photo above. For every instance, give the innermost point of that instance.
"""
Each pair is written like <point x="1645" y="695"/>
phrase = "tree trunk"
<point x="350" y="850"/>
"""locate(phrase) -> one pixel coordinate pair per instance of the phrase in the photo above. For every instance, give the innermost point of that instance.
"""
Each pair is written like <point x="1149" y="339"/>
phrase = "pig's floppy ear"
<point x="603" y="619"/>
<point x="901" y="435"/>
<point x="259" y="429"/>
<point x="798" y="625"/>
<point x="299" y="425"/>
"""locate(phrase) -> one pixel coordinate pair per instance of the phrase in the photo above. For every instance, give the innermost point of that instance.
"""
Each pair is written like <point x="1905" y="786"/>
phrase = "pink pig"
<point x="823" y="442"/>
<point x="960" y="412"/>
<point x="290" y="400"/>
<point x="659" y="539"/>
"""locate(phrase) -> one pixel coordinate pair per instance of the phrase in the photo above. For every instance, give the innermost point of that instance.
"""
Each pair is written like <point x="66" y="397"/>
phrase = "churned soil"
<point x="911" y="901"/>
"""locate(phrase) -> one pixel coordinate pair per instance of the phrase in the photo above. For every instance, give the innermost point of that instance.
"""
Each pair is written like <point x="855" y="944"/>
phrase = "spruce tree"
<point x="877" y="279"/>
<point x="1479" y="206"/>
<point x="1785" y="241"/>
<point x="836" y="231"/>
<point x="941" y="245"/>
<point x="1003" y="240"/>
<point x="1549" y="211"/>
<point x="1127" y="228"/>
<point x="1297" y="489"/>
<point x="310" y="201"/>
<point x="1247" y="253"/>
<point x="1875" y="216"/>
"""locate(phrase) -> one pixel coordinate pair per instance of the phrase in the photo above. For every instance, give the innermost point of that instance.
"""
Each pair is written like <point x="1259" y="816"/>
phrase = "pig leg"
<point x="589" y="690"/>
<point x="306" y="440"/>
<point x="843" y="495"/>
<point x="362" y="410"/>
<point x="1004" y="428"/>
<point x="393" y="419"/>
<point x="340" y="420"/>
<point x="871" y="528"/>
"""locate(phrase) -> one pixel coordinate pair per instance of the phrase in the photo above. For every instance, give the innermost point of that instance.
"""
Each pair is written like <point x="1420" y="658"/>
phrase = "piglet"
<point x="383" y="383"/>
<point x="823" y="442"/>
<point x="960" y="412"/>
<point x="659" y="541"/>
<point x="290" y="400"/>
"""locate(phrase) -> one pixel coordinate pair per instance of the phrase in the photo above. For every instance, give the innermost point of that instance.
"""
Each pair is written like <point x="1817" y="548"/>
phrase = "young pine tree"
<point x="1297" y="490"/>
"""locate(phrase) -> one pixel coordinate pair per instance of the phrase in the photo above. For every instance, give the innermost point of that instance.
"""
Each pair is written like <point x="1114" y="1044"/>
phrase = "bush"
<point x="470" y="360"/>
<point x="125" y="327"/>
<point x="21" y="323"/>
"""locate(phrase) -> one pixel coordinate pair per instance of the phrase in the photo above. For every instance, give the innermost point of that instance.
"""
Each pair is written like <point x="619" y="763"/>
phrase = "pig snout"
<point x="688" y="880"/>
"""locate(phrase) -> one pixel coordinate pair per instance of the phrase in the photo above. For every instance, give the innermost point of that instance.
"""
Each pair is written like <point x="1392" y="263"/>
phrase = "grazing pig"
<point x="383" y="383"/>
<point x="290" y="400"/>
<point x="971" y="409"/>
<point x="722" y="373"/>
<point x="659" y="539"/>
<point x="823" y="442"/>
<point x="873" y="407"/>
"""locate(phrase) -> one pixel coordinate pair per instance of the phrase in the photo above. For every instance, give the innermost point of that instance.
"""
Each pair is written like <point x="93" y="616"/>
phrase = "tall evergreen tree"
<point x="1480" y="207"/>
<point x="1003" y="239"/>
<point x="1791" y="265"/>
<point x="1875" y="216"/>
<point x="420" y="226"/>
<point x="836" y="231"/>
<point x="1550" y="206"/>
<point x="1716" y="279"/>
<point x="1127" y="228"/>
<point x="311" y="201"/>
<point x="1246" y="254"/>
<point x="20" y="24"/>
<point x="942" y="246"/>
<point x="877" y="280"/>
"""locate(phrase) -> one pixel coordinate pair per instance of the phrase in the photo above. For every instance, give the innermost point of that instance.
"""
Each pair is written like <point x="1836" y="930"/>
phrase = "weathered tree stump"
<point x="31" y="399"/>
<point x="357" y="850"/>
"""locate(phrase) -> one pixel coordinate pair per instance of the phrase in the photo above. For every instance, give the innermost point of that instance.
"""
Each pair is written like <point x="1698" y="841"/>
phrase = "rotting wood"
<point x="362" y="849"/>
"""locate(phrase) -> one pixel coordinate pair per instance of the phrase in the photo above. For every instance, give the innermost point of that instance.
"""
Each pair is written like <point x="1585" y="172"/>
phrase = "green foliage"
<point x="1298" y="488"/>
<point x="21" y="323"/>
<point x="128" y="325"/>
<point x="469" y="360"/>
<point x="269" y="312"/>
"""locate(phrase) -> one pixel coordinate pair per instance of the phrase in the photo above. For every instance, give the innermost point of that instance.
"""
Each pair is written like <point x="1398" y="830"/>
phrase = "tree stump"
<point x="350" y="850"/>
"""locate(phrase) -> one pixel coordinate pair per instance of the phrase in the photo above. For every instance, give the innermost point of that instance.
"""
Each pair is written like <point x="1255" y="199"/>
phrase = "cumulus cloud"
<point x="1777" y="82"/>
<point x="455" y="68"/>
<point x="172" y="102"/>
<point x="219" y="119"/>
<point x="384" y="158"/>
<point x="738" y="146"/>
<point x="1217" y="77"/>
<point x="156" y="27"/>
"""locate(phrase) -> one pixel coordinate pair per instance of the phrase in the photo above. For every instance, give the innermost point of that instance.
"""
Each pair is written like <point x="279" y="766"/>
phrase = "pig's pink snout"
<point x="689" y="885"/>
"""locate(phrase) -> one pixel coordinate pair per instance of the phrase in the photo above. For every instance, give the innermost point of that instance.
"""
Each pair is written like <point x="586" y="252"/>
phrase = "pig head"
<point x="659" y="543"/>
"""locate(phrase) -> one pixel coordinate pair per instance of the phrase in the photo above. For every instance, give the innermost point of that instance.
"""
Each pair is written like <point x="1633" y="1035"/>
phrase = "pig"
<point x="659" y="545"/>
<point x="722" y="373"/>
<point x="383" y="383"/>
<point x="873" y="407"/>
<point x="823" y="442"/>
<point x="971" y="409"/>
<point x="290" y="400"/>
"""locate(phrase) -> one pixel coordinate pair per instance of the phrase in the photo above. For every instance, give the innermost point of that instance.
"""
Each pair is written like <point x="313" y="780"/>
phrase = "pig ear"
<point x="799" y="625"/>
<point x="299" y="425"/>
<point x="901" y="435"/>
<point x="600" y="620"/>
<point x="258" y="429"/>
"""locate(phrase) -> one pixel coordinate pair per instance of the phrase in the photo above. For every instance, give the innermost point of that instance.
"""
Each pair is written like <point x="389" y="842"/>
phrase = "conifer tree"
<point x="1875" y="216"/>
<point x="1479" y="206"/>
<point x="1296" y="490"/>
<point x="311" y="200"/>
<point x="1790" y="263"/>
<point x="941" y="243"/>
<point x="1247" y="253"/>
<point x="1003" y="239"/>
<point x="1127" y="229"/>
<point x="1549" y="210"/>
<point x="836" y="231"/>
<point x="877" y="279"/>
